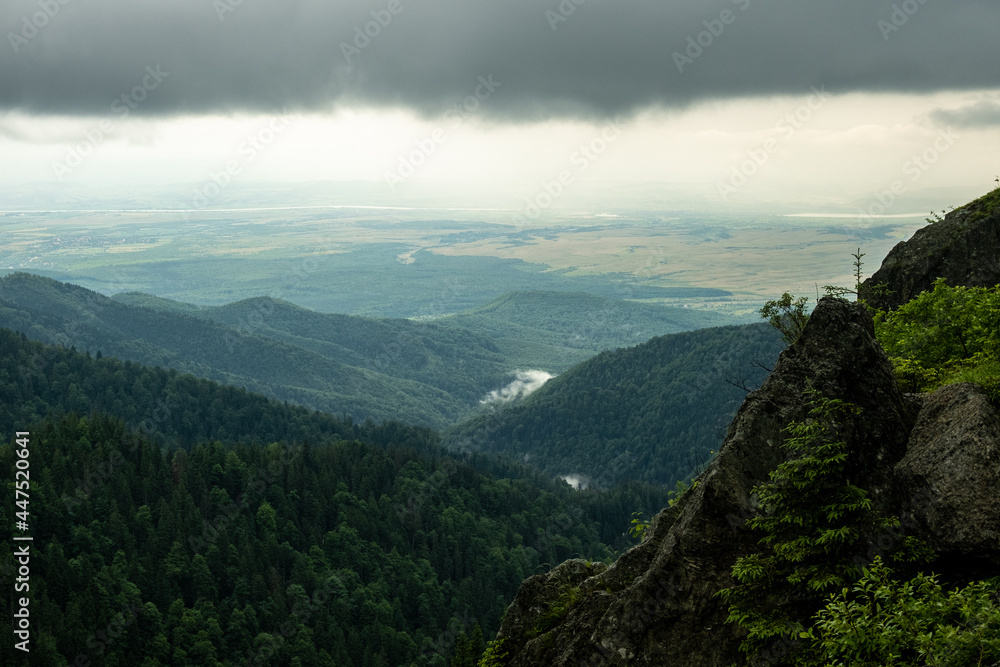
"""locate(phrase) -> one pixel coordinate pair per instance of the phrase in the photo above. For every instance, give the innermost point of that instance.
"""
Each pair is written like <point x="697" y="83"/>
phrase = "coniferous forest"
<point x="181" y="522"/>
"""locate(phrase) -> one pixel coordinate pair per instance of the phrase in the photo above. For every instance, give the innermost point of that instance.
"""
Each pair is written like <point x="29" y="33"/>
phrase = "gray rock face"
<point x="949" y="479"/>
<point x="656" y="605"/>
<point x="964" y="249"/>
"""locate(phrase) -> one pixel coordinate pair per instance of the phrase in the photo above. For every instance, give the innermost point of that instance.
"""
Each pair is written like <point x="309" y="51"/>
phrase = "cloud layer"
<point x="526" y="382"/>
<point x="587" y="58"/>
<point x="984" y="113"/>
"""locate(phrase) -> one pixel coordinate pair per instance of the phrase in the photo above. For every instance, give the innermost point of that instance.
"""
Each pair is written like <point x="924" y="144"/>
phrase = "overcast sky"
<point x="817" y="94"/>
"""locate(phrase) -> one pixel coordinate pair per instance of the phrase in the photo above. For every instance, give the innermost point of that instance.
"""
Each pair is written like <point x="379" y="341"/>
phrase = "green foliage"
<point x="944" y="325"/>
<point x="494" y="656"/>
<point x="813" y="522"/>
<point x="912" y="376"/>
<point x="880" y="622"/>
<point x="788" y="315"/>
<point x="567" y="597"/>
<point x="462" y="653"/>
<point x="861" y="291"/>
<point x="983" y="370"/>
<point x="172" y="407"/>
<point x="986" y="206"/>
<point x="639" y="527"/>
<point x="945" y="335"/>
<point x="680" y="489"/>
<point x="469" y="649"/>
<point x="833" y="290"/>
<point x="935" y="217"/>
<point x="336" y="553"/>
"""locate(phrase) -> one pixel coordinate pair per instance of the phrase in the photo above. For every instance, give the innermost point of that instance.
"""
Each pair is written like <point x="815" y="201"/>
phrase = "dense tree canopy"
<point x="227" y="527"/>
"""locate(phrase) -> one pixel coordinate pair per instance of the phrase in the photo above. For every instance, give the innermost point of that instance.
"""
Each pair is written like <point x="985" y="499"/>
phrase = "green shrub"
<point x="880" y="622"/>
<point x="945" y="335"/>
<point x="639" y="527"/>
<point x="986" y="205"/>
<point x="494" y="655"/>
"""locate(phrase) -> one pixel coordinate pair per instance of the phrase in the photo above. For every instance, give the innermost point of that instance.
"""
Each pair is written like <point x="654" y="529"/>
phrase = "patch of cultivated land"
<point x="754" y="263"/>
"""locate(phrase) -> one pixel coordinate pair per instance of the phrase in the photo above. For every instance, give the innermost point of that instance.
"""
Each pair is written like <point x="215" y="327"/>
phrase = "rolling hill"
<point x="431" y="373"/>
<point x="376" y="379"/>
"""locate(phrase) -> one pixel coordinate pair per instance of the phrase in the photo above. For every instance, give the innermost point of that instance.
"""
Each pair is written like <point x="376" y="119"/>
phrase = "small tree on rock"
<point x="788" y="315"/>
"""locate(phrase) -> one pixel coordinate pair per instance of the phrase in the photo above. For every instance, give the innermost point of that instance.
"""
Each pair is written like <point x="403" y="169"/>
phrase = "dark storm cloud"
<point x="550" y="57"/>
<point x="984" y="113"/>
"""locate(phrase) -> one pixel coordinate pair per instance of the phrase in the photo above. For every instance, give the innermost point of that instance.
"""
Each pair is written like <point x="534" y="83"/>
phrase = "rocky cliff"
<point x="933" y="460"/>
<point x="963" y="248"/>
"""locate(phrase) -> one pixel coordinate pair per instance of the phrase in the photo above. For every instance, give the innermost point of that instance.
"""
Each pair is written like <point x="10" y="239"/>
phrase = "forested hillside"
<point x="655" y="412"/>
<point x="201" y="524"/>
<point x="355" y="366"/>
<point x="462" y="364"/>
<point x="432" y="373"/>
<point x="176" y="408"/>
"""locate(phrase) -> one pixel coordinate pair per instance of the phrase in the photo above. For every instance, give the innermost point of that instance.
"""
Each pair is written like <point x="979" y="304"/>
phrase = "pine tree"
<point x="462" y="654"/>
<point x="813" y="522"/>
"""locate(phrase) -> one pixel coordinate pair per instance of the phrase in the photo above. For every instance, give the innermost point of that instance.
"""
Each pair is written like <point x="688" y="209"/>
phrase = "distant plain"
<point x="425" y="263"/>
